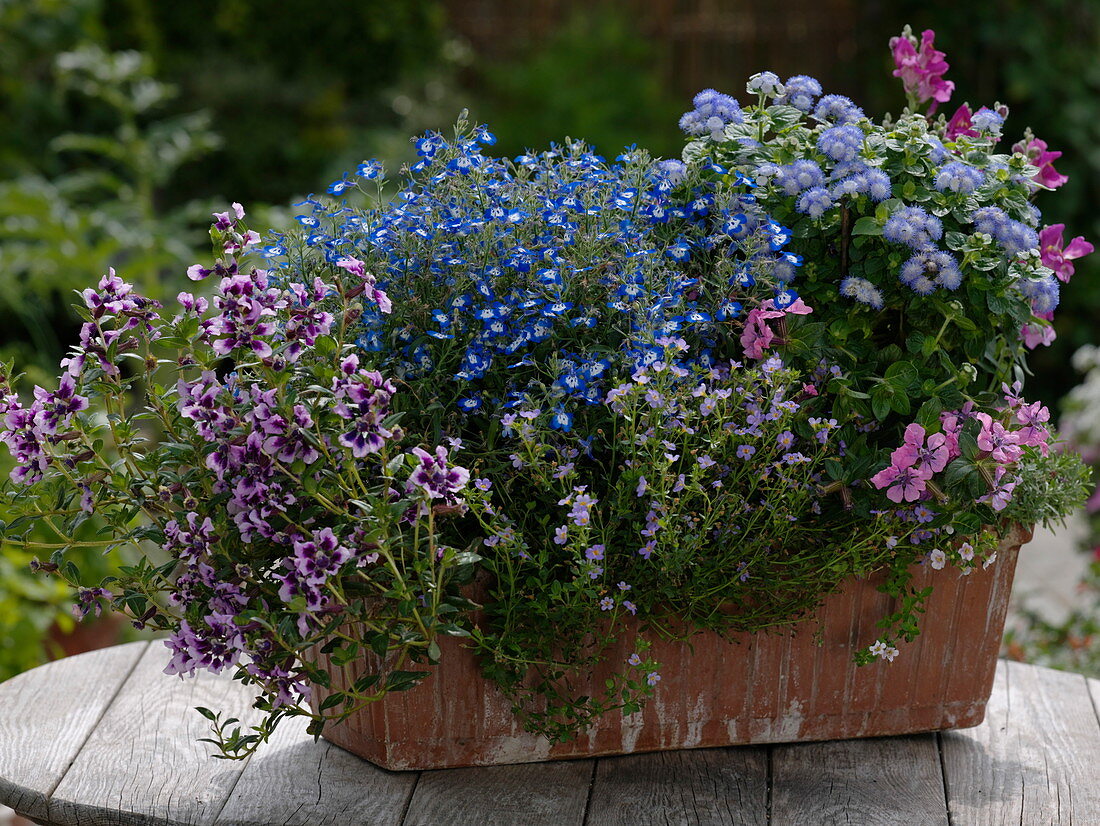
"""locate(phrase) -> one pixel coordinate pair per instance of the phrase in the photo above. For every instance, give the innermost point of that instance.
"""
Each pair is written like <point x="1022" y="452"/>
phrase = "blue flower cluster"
<point x="930" y="268"/>
<point x="712" y="112"/>
<point x="800" y="92"/>
<point x="538" y="278"/>
<point x="913" y="227"/>
<point x="959" y="177"/>
<point x="841" y="143"/>
<point x="838" y="109"/>
<point x="1014" y="236"/>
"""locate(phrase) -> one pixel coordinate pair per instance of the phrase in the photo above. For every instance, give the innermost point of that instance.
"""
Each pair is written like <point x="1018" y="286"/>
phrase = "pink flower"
<point x="353" y="265"/>
<point x="906" y="483"/>
<point x="1033" y="418"/>
<point x="1032" y="335"/>
<point x="757" y="335"/>
<point x="1004" y="445"/>
<point x="1001" y="495"/>
<point x="1058" y="256"/>
<point x="1038" y="155"/>
<point x="921" y="70"/>
<point x="933" y="455"/>
<point x="960" y="124"/>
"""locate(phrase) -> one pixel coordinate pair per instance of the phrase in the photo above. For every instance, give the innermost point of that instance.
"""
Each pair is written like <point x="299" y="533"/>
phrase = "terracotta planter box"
<point x="788" y="686"/>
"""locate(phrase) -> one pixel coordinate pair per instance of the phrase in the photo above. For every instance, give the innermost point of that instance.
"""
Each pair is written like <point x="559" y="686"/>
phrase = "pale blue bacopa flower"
<point x="712" y="113"/>
<point x="960" y="178"/>
<point x="800" y="92"/>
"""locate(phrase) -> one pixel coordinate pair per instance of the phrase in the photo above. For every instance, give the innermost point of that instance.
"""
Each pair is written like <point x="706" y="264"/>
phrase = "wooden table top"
<point x="106" y="738"/>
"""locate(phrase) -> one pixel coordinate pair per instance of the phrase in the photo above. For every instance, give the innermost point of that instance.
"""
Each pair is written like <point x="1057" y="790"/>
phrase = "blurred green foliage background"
<point x="126" y="122"/>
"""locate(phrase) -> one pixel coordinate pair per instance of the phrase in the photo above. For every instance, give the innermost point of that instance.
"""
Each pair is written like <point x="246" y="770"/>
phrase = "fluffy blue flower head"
<point x="800" y="92"/>
<point x="913" y="227"/>
<point x="712" y="112"/>
<point x="958" y="177"/>
<point x="841" y="143"/>
<point x="838" y="109"/>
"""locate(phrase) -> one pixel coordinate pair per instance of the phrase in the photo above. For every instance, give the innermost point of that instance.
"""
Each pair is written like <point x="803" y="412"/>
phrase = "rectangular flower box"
<point x="791" y="685"/>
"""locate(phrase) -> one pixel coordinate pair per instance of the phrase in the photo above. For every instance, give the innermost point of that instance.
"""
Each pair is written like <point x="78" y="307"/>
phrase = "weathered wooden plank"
<point x="533" y="794"/>
<point x="711" y="786"/>
<point x="295" y="781"/>
<point x="887" y="780"/>
<point x="46" y="715"/>
<point x="1035" y="758"/>
<point x="143" y="763"/>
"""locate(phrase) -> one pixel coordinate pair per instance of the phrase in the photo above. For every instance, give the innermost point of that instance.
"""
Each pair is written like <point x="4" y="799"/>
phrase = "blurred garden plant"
<point x="54" y="235"/>
<point x="623" y="391"/>
<point x="1072" y="642"/>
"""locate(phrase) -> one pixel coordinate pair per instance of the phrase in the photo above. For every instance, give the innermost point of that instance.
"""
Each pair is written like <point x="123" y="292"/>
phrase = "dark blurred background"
<point x="126" y="121"/>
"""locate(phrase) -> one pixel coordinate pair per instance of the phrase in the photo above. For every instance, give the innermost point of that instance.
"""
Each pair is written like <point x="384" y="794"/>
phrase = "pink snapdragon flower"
<point x="1032" y="335"/>
<point x="921" y="69"/>
<point x="757" y="336"/>
<point x="960" y="124"/>
<point x="1058" y="255"/>
<point x="1038" y="155"/>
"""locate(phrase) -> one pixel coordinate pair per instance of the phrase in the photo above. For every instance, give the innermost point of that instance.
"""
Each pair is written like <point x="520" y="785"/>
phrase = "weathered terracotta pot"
<point x="788" y="686"/>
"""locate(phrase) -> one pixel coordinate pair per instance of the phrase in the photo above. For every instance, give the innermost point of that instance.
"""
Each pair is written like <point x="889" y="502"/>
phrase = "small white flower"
<point x="937" y="559"/>
<point x="966" y="551"/>
<point x="989" y="560"/>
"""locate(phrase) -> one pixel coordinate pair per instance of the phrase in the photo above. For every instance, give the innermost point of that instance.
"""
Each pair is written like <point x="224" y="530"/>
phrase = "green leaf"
<point x="968" y="445"/>
<point x="404" y="680"/>
<point x="867" y="225"/>
<point x="901" y="403"/>
<point x="881" y="402"/>
<point x="901" y="375"/>
<point x="928" y="416"/>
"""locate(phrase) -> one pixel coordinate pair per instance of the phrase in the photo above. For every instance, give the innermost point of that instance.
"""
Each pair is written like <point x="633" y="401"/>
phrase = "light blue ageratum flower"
<point x="800" y="91"/>
<point x="712" y="112"/>
<point x="800" y="175"/>
<point x="1043" y="292"/>
<point x="814" y="202"/>
<point x="765" y="83"/>
<point x="862" y="291"/>
<point x="930" y="268"/>
<point x="841" y="143"/>
<point x="1015" y="237"/>
<point x="913" y="227"/>
<point x="837" y="108"/>
<point x="987" y="122"/>
<point x="959" y="177"/>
